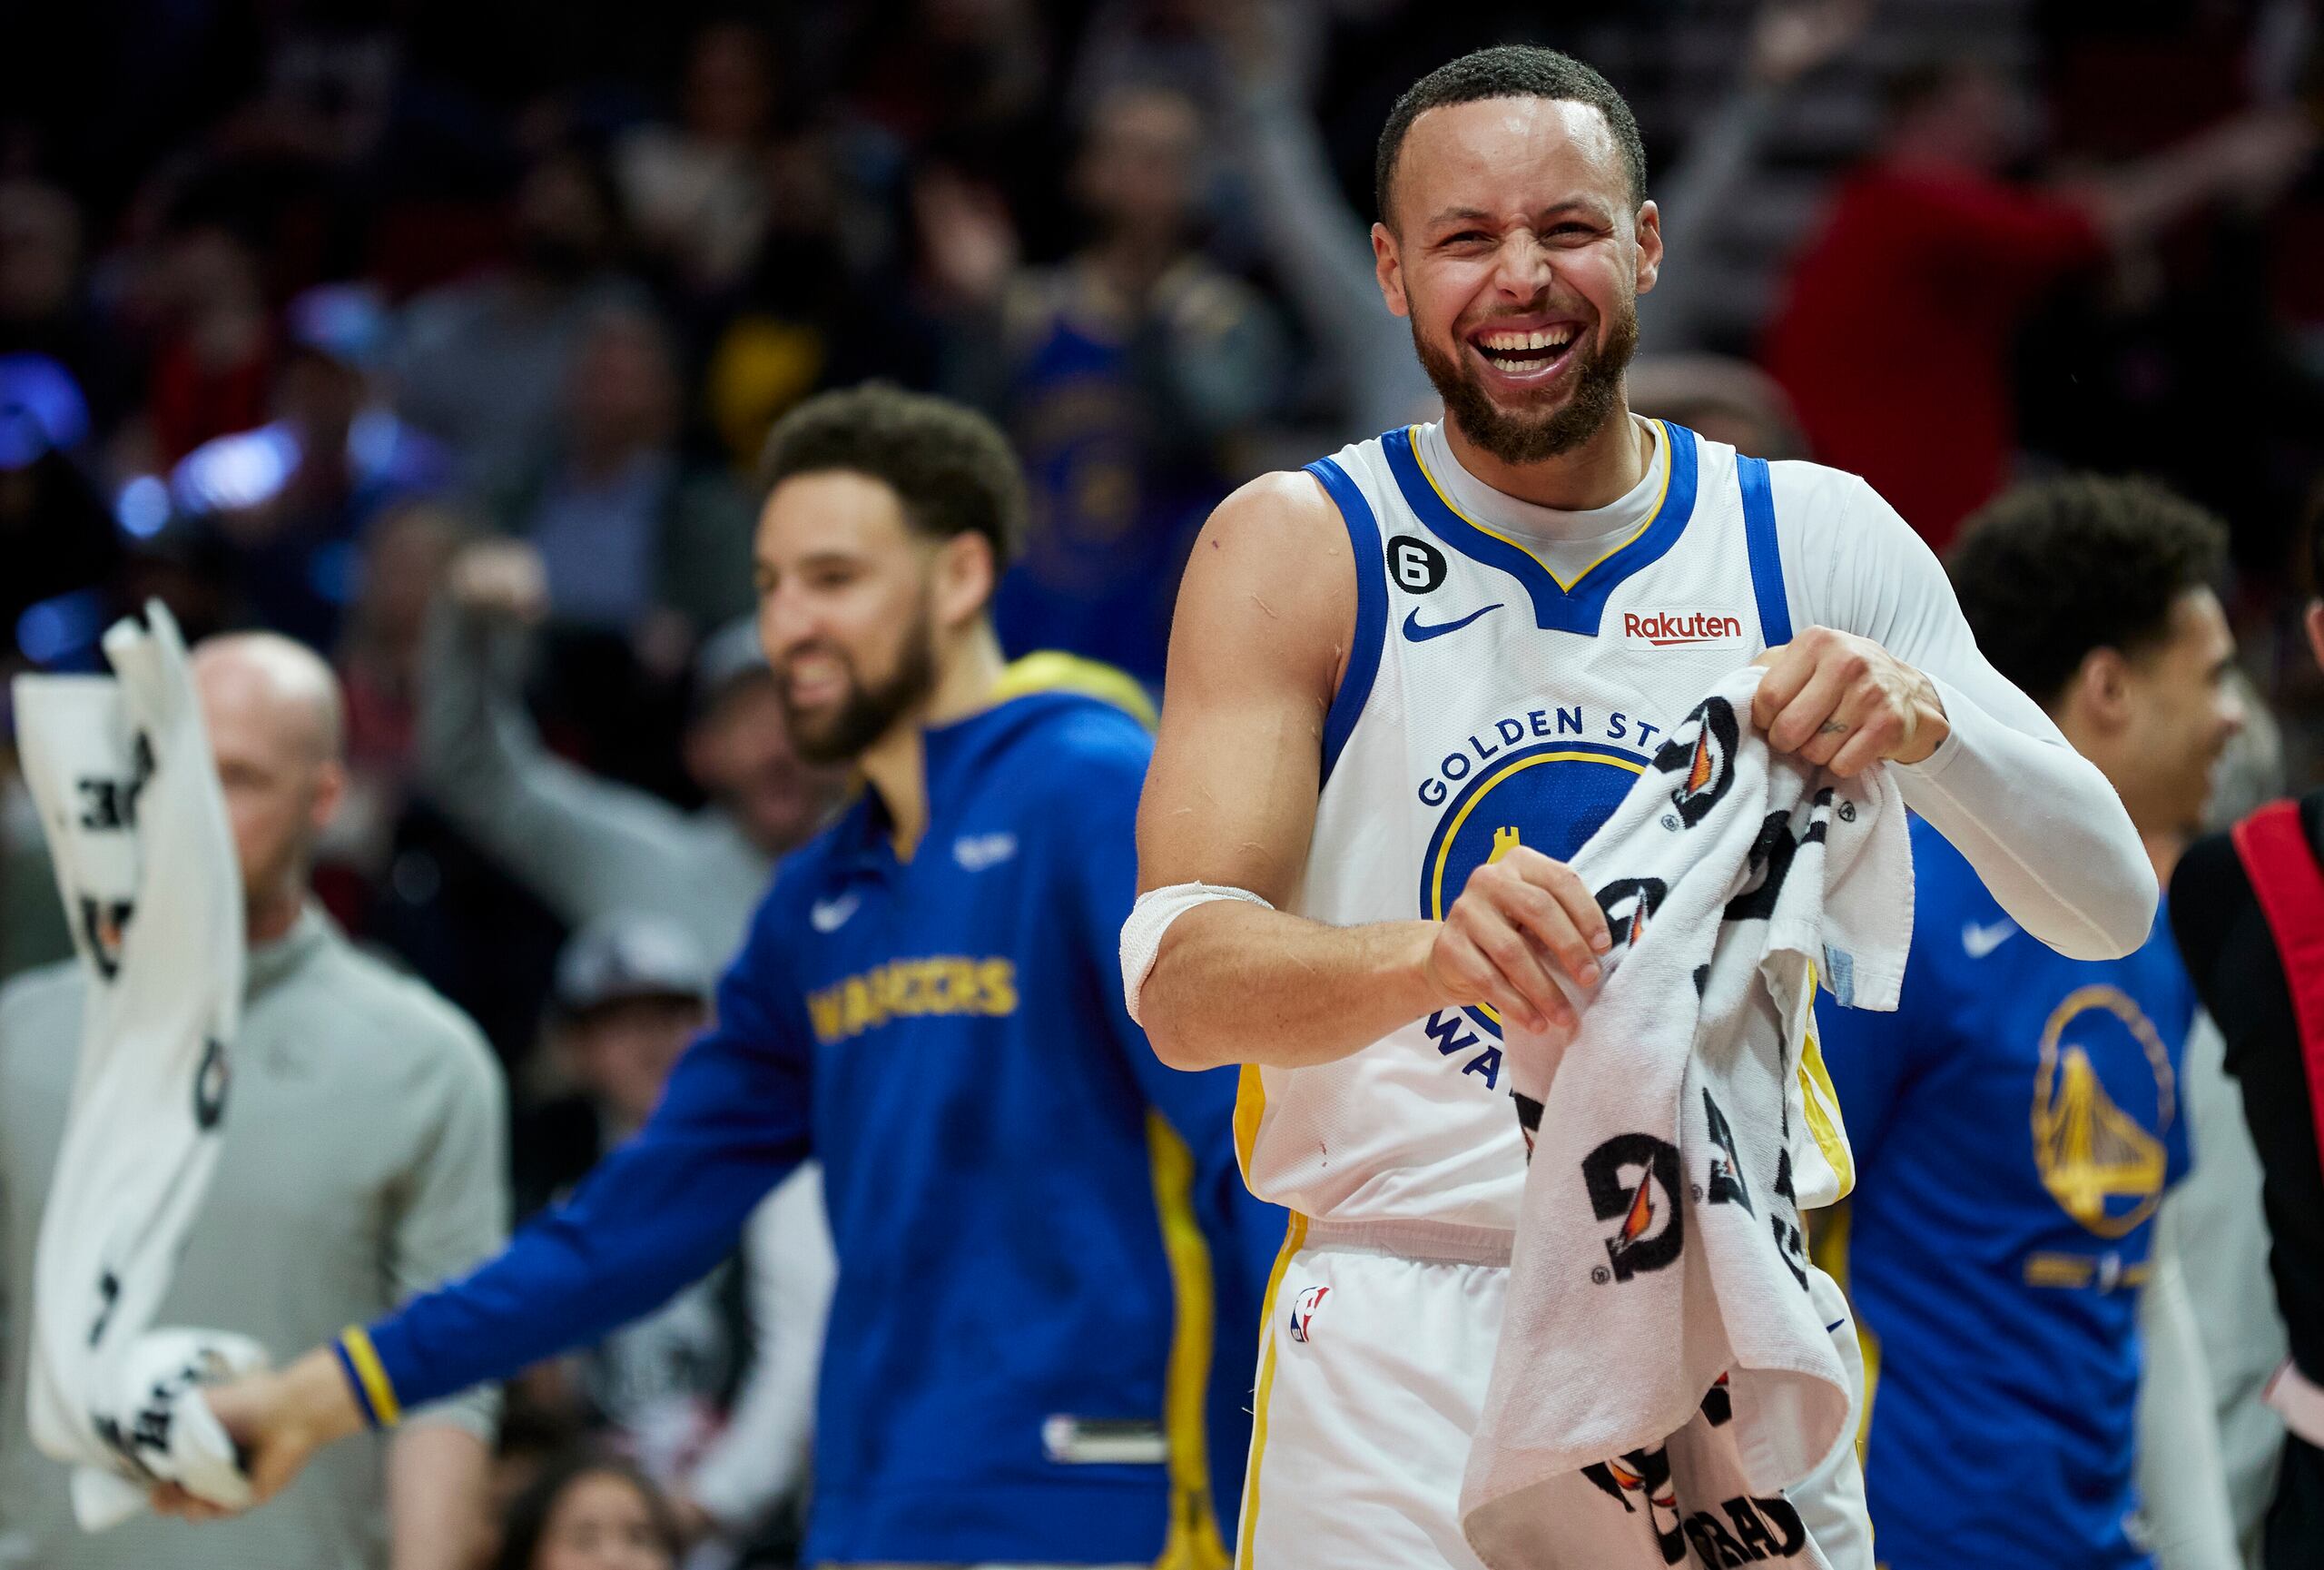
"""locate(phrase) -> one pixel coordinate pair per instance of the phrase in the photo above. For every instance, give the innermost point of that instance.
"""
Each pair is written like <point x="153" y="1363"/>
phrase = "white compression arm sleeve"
<point x="1151" y="916"/>
<point x="2040" y="823"/>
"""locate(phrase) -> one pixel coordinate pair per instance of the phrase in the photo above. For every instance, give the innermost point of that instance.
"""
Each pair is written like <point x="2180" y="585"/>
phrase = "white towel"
<point x="1663" y="1374"/>
<point x="121" y="772"/>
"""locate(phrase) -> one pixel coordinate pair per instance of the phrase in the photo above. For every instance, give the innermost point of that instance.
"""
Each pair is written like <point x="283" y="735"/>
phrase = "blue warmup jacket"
<point x="1040" y="1346"/>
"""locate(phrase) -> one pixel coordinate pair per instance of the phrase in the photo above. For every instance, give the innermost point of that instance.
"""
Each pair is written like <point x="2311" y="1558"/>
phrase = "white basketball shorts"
<point x="1373" y="1365"/>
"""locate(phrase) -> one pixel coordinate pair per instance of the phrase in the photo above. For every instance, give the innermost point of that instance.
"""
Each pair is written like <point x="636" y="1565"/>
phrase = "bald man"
<point x="363" y="1160"/>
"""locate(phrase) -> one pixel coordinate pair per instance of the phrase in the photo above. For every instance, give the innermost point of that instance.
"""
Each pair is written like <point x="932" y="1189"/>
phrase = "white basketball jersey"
<point x="1487" y="704"/>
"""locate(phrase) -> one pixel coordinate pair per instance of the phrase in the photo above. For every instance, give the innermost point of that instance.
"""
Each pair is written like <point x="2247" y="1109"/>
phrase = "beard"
<point x="870" y="710"/>
<point x="1515" y="436"/>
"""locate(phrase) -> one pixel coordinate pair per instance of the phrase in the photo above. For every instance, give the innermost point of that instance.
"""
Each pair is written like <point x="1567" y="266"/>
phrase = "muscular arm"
<point x="1265" y="616"/>
<point x="1262" y="637"/>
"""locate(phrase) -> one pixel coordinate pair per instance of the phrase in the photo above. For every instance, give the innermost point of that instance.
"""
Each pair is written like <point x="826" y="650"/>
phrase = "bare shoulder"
<point x="1283" y="510"/>
<point x="1272" y="572"/>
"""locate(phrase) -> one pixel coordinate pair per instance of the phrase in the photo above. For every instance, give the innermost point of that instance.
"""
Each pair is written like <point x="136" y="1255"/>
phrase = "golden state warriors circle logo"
<point x="2103" y="1098"/>
<point x="1550" y="796"/>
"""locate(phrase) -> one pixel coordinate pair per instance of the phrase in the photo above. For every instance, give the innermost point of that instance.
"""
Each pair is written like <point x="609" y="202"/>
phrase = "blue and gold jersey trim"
<point x="1558" y="605"/>
<point x="1371" y="610"/>
<point x="1751" y="480"/>
<point x="1194" y="1542"/>
<point x="375" y="1395"/>
<point x="1295" y="1236"/>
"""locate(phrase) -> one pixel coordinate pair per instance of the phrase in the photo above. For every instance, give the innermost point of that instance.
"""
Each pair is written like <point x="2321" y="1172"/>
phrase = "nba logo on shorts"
<point x="1304" y="1310"/>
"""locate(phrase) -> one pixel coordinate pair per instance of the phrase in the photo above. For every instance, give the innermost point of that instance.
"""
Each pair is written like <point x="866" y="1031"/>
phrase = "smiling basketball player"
<point x="1407" y="682"/>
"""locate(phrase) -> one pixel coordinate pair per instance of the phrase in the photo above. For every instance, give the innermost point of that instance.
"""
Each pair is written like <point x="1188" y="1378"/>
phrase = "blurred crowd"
<point x="443" y="339"/>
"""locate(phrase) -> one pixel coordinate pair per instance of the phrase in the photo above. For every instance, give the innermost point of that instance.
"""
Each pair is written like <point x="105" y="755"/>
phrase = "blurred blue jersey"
<point x="2015" y="1124"/>
<point x="1041" y="1231"/>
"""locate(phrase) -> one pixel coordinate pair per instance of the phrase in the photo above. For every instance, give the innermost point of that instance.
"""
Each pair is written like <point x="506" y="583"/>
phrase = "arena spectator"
<point x="1125" y="375"/>
<point x="288" y="499"/>
<point x="712" y="1393"/>
<point x="1787" y="41"/>
<point x="210" y="368"/>
<point x="482" y="363"/>
<point x="624" y="526"/>
<point x="2015" y="1444"/>
<point x="829" y="299"/>
<point x="1894" y="340"/>
<point x="364" y="1164"/>
<point x="1312" y="238"/>
<point x="697" y="189"/>
<point x="589" y="1513"/>
<point x="585" y="845"/>
<point x="406" y="552"/>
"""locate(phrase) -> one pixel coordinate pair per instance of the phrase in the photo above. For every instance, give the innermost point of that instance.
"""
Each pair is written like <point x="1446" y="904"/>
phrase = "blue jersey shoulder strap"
<point x="1371" y="609"/>
<point x="1767" y="555"/>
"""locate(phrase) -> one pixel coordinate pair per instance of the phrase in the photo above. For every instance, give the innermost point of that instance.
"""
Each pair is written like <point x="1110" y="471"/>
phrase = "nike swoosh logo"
<point x="1981" y="940"/>
<point x="830" y="916"/>
<point x="1419" y="634"/>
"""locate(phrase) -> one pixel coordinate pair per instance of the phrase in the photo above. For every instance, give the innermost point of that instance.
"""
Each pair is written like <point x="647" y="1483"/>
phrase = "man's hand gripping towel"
<point x="1663" y="1373"/>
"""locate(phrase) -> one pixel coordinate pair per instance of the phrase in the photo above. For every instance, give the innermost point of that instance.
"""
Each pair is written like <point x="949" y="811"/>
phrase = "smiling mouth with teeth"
<point x="1520" y="353"/>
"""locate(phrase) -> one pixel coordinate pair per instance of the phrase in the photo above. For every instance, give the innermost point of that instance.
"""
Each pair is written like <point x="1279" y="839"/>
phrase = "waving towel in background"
<point x="121" y="770"/>
<point x="1664" y="1371"/>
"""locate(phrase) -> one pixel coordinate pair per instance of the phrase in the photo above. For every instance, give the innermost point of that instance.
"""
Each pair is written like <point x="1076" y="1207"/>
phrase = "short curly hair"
<point x="2051" y="570"/>
<point x="951" y="467"/>
<point x="1508" y="71"/>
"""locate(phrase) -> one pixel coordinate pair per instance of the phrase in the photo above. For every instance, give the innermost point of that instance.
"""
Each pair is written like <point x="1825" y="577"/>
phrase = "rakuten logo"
<point x="1667" y="628"/>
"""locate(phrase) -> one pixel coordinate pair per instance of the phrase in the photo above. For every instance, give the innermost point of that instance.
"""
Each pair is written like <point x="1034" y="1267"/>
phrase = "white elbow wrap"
<point x="1151" y="916"/>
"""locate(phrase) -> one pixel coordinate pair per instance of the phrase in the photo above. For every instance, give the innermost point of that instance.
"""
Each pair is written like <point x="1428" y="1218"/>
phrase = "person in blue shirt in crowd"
<point x="1041" y="1231"/>
<point x="2016" y="1122"/>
